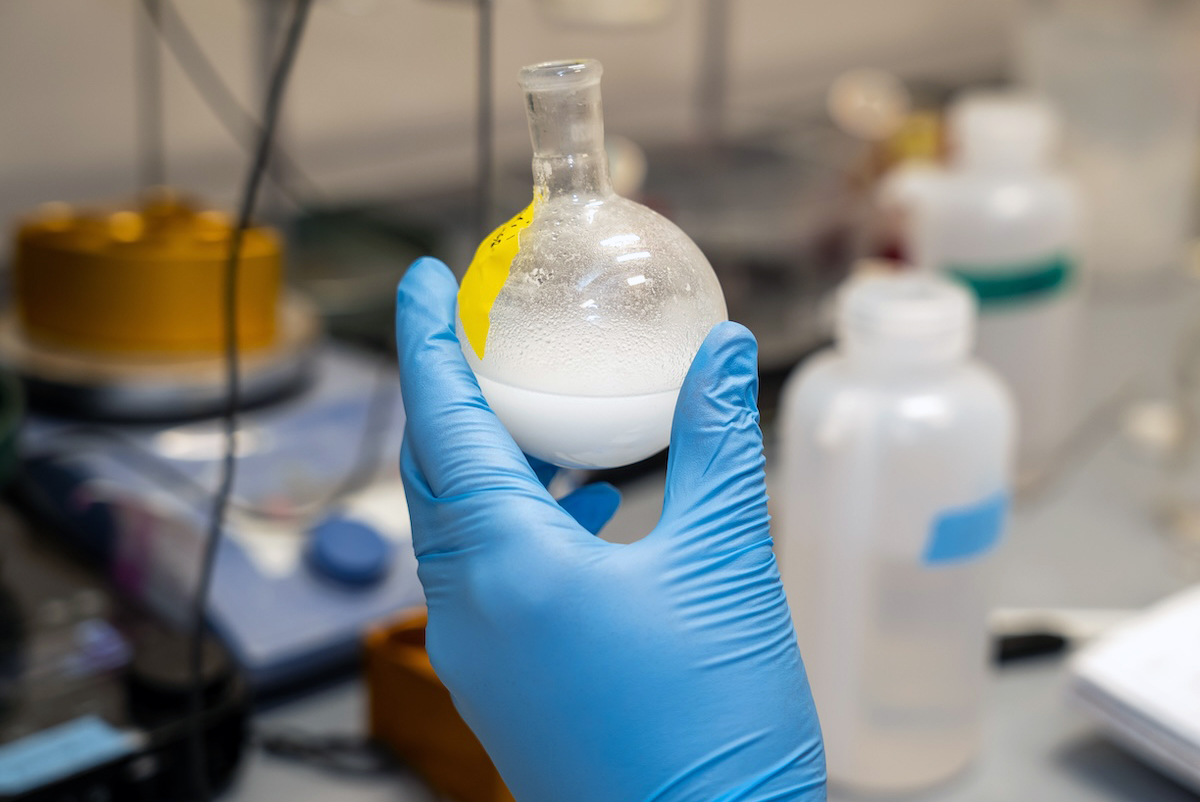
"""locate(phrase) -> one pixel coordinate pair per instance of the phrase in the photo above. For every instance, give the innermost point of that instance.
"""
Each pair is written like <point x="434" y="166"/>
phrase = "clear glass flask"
<point x="581" y="315"/>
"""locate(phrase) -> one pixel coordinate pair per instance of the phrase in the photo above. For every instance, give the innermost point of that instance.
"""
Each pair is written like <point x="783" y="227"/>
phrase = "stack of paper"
<point x="1141" y="682"/>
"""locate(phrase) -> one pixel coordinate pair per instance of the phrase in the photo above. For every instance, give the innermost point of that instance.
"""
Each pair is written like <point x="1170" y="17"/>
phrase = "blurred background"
<point x="382" y="115"/>
<point x="383" y="101"/>
<point x="797" y="143"/>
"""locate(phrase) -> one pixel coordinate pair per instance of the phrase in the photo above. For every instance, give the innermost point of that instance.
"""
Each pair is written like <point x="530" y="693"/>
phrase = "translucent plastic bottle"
<point x="893" y="486"/>
<point x="1006" y="222"/>
<point x="581" y="315"/>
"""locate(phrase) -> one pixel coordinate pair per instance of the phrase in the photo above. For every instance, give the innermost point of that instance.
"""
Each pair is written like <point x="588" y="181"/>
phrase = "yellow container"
<point x="142" y="280"/>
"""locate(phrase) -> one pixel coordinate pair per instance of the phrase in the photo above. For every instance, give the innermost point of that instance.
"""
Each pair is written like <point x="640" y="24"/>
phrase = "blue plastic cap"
<point x="349" y="552"/>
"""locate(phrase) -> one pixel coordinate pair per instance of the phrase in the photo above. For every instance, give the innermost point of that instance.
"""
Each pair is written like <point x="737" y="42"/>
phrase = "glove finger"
<point x="442" y="536"/>
<point x="716" y="487"/>
<point x="592" y="506"/>
<point x="427" y="535"/>
<point x="544" y="471"/>
<point x="456" y="439"/>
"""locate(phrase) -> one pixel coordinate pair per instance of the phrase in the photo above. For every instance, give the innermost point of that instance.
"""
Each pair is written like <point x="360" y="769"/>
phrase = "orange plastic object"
<point x="411" y="711"/>
<point x="145" y="279"/>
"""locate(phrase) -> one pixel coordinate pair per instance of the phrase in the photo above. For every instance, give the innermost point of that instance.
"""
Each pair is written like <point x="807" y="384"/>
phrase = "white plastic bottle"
<point x="894" y="484"/>
<point x="1007" y="223"/>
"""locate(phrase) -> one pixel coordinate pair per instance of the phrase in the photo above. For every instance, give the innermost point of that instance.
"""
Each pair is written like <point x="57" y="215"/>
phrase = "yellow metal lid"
<point x="146" y="277"/>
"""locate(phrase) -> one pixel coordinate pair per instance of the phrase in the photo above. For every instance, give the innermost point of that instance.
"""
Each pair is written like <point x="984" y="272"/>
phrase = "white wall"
<point x="382" y="98"/>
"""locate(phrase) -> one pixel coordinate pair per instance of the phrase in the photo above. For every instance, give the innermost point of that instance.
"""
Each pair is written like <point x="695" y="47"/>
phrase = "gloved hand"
<point x="665" y="669"/>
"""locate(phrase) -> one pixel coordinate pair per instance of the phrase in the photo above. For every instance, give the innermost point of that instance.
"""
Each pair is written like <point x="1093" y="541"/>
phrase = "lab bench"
<point x="1086" y="538"/>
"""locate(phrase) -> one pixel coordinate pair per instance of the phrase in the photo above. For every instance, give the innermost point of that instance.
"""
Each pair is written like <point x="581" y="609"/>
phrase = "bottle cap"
<point x="907" y="316"/>
<point x="348" y="552"/>
<point x="1002" y="129"/>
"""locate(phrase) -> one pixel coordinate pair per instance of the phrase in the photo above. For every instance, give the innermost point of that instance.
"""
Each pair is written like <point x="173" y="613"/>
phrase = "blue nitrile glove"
<point x="664" y="669"/>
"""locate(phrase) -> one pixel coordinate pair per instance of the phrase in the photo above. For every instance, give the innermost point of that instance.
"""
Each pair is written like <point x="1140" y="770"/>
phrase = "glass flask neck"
<point x="566" y="125"/>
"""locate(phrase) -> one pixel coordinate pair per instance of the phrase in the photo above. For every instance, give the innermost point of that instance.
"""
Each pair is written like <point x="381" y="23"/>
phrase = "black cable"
<point x="350" y="755"/>
<point x="270" y="117"/>
<point x="151" y="138"/>
<point x="239" y="122"/>
<point x="484" y="121"/>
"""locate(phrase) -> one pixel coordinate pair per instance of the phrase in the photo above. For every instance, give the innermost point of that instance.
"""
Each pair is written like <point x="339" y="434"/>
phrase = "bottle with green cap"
<point x="1004" y="221"/>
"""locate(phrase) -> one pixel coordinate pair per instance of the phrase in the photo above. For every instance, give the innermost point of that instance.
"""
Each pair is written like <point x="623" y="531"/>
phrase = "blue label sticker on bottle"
<point x="966" y="532"/>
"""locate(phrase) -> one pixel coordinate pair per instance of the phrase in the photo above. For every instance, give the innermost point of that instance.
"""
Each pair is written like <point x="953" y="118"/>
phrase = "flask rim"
<point x="561" y="74"/>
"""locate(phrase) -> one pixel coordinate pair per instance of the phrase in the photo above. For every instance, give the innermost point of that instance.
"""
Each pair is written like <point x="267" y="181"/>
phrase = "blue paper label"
<point x="59" y="752"/>
<point x="962" y="533"/>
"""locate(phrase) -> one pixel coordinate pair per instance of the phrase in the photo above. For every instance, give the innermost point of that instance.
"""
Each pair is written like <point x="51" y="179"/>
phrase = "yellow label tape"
<point x="486" y="276"/>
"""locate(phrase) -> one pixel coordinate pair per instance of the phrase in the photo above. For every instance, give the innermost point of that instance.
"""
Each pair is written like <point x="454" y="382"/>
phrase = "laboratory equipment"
<point x="116" y="311"/>
<point x="712" y="84"/>
<point x="581" y="315"/>
<point x="868" y="104"/>
<point x="1138" y="682"/>
<point x="1124" y="75"/>
<point x="94" y="690"/>
<point x="1006" y="222"/>
<point x="141" y="279"/>
<point x="607" y="13"/>
<point x="776" y="216"/>
<point x="344" y="261"/>
<point x="774" y="210"/>
<point x="894" y="482"/>
<point x="411" y="712"/>
<point x="306" y="565"/>
<point x="899" y="196"/>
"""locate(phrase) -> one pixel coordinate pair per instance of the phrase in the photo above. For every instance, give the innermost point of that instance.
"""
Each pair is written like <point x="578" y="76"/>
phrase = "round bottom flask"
<point x="581" y="315"/>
